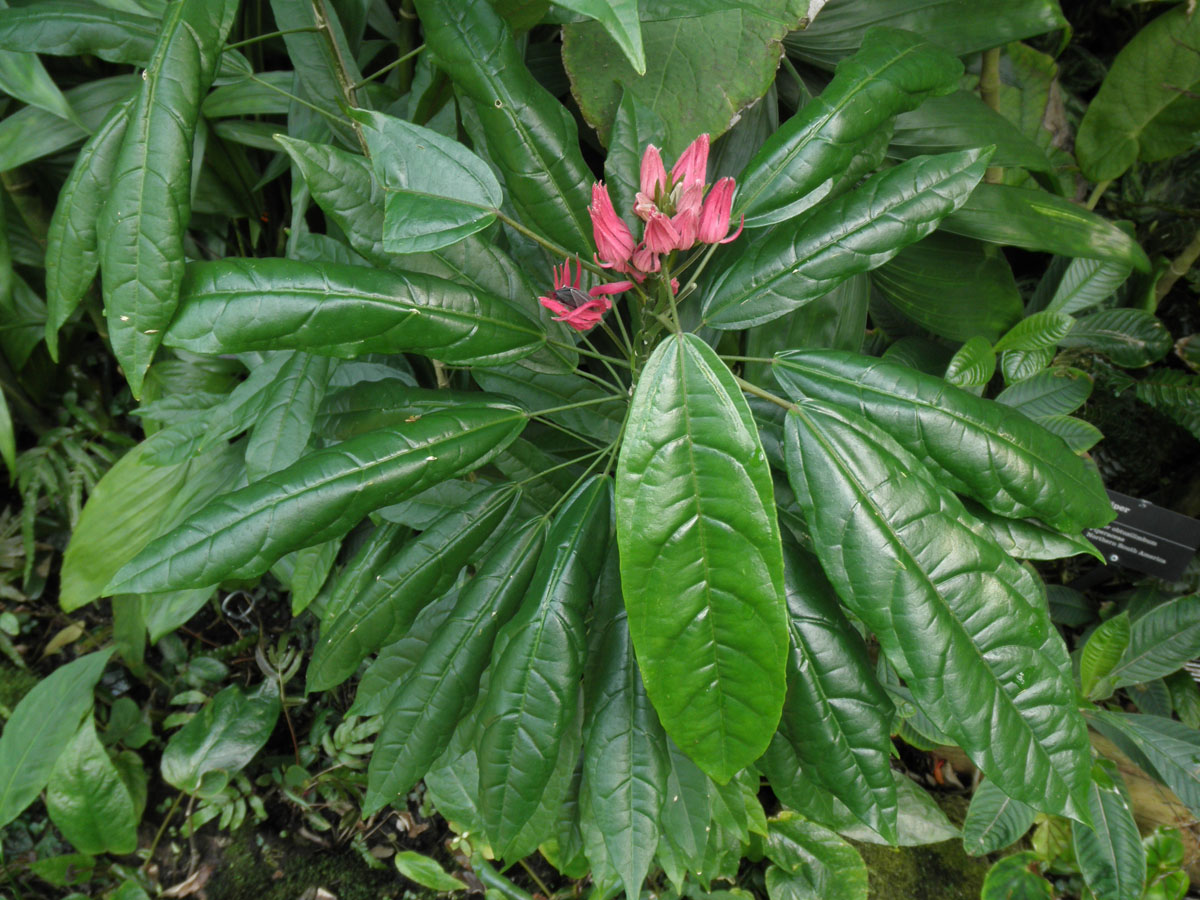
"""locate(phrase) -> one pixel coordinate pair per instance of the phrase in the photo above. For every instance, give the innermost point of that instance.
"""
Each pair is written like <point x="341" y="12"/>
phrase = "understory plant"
<point x="612" y="476"/>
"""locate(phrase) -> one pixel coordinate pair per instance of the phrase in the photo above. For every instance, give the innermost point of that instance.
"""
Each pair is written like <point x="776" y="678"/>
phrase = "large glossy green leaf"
<point x="533" y="695"/>
<point x="961" y="120"/>
<point x="1160" y="642"/>
<point x="1165" y="747"/>
<point x="701" y="566"/>
<point x="438" y="691"/>
<point x="236" y="305"/>
<point x="994" y="820"/>
<point x="704" y="64"/>
<point x="1086" y="283"/>
<point x="837" y="717"/>
<point x="438" y="191"/>
<point x="1110" y="853"/>
<point x="422" y="570"/>
<point x="285" y="423"/>
<point x="975" y="446"/>
<point x="1017" y="877"/>
<point x="75" y="27"/>
<point x="951" y="286"/>
<point x="1028" y="538"/>
<point x="72" y="240"/>
<point x="1057" y="391"/>
<point x="41" y="727"/>
<point x="1147" y="107"/>
<point x="840" y="28"/>
<point x="625" y="752"/>
<point x="1102" y="651"/>
<point x="620" y="19"/>
<point x="531" y="137"/>
<point x="143" y="221"/>
<point x="685" y="819"/>
<point x="892" y="73"/>
<point x="241" y="534"/>
<point x="32" y="133"/>
<point x="1129" y="337"/>
<point x="964" y="625"/>
<point x="1039" y="220"/>
<point x="87" y="800"/>
<point x="354" y="577"/>
<point x="324" y="65"/>
<point x="218" y="741"/>
<point x="811" y="862"/>
<point x="859" y="231"/>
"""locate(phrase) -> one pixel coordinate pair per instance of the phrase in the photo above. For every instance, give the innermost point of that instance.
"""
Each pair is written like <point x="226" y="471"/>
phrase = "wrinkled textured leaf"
<point x="1057" y="391"/>
<point x="87" y="800"/>
<point x="1165" y="747"/>
<point x="241" y="534"/>
<point x="811" y="862"/>
<point x="994" y="820"/>
<point x="973" y="364"/>
<point x="1110" y="853"/>
<point x="73" y="28"/>
<point x="1160" y="642"/>
<point x="965" y="626"/>
<point x="1007" y="463"/>
<point x="1102" y="651"/>
<point x="285" y="423"/>
<point x="1129" y="337"/>
<point x="701" y="566"/>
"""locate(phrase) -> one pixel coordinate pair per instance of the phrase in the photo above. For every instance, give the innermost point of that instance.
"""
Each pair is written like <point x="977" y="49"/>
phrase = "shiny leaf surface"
<point x="1110" y="853"/>
<point x="994" y="820"/>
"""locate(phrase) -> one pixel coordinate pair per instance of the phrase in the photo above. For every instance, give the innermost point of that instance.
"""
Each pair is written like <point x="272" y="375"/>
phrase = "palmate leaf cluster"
<point x="595" y="592"/>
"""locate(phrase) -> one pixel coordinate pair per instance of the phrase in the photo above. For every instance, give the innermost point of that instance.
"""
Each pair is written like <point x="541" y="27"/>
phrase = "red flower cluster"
<point x="579" y="310"/>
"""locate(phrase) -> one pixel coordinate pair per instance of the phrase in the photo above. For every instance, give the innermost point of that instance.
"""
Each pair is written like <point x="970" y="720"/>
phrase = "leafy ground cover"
<point x="602" y="447"/>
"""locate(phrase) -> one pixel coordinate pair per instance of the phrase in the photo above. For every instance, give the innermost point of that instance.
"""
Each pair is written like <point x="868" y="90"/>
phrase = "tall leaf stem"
<point x="592" y="353"/>
<point x="766" y="360"/>
<point x="751" y="388"/>
<point x="581" y="403"/>
<point x="569" y="462"/>
<point x="269" y="35"/>
<point x="296" y="99"/>
<point x="1178" y="268"/>
<point x="1097" y="193"/>
<point x="399" y="62"/>
<point x="567" y="431"/>
<point x="548" y="245"/>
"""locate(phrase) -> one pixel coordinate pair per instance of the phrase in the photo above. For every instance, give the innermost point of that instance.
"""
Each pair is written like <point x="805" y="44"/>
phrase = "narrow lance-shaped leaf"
<point x="285" y="424"/>
<point x="143" y="221"/>
<point x="1160" y="642"/>
<point x="241" y="534"/>
<point x="994" y="820"/>
<point x="964" y="625"/>
<point x="334" y="309"/>
<point x="533" y="694"/>
<point x="891" y="73"/>
<point x="809" y="256"/>
<point x="531" y="137"/>
<point x="421" y="571"/>
<point x="76" y="28"/>
<point x="701" y="565"/>
<point x="23" y="76"/>
<point x="1110" y="853"/>
<point x="1101" y="652"/>
<point x="72" y="240"/>
<point x="837" y="717"/>
<point x="1164" y="747"/>
<point x="439" y="690"/>
<point x="975" y="446"/>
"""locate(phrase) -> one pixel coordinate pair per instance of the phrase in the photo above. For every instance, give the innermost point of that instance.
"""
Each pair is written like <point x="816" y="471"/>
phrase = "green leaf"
<point x="533" y="695"/>
<point x="885" y="528"/>
<point x="1176" y="394"/>
<point x="837" y="717"/>
<point x="32" y="133"/>
<point x="305" y="571"/>
<point x="285" y="421"/>
<point x="438" y="691"/>
<point x="952" y="287"/>
<point x="1100" y="654"/>
<point x="1110" y="853"/>
<point x="76" y="28"/>
<point x="1009" y="464"/>
<point x="701" y="565"/>
<point x="1042" y="329"/>
<point x="1079" y="435"/>
<point x="87" y="800"/>
<point x="357" y="574"/>
<point x="143" y="221"/>
<point x="620" y="20"/>
<point x="891" y="73"/>
<point x="236" y="305"/>
<point x="531" y="138"/>
<point x="23" y="76"/>
<point x="811" y="862"/>
<point x="994" y="821"/>
<point x="241" y="534"/>
<point x="961" y="120"/>
<point x="72" y="240"/>
<point x="1016" y="878"/>
<point x="163" y="613"/>
<point x="1167" y="748"/>
<point x="1160" y="642"/>
<point x="8" y="441"/>
<point x="704" y="65"/>
<point x="1038" y="220"/>
<point x="1147" y="107"/>
<point x="220" y="740"/>
<point x="625" y="760"/>
<point x="972" y="365"/>
<point x="438" y="191"/>
<point x="321" y="58"/>
<point x="41" y="727"/>
<point x="839" y="28"/>
<point x="601" y="421"/>
<point x="684" y="822"/>
<point x="859" y="231"/>
<point x="1129" y="337"/>
<point x="1087" y="283"/>
<point x="1027" y="538"/>
<point x="425" y="567"/>
<point x="1057" y="391"/>
<point x="1019" y="364"/>
<point x="426" y="872"/>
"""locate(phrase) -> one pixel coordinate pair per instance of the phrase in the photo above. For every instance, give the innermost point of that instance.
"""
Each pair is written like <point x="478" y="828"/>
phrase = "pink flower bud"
<point x="686" y="223"/>
<point x="692" y="166"/>
<point x="643" y="206"/>
<point x="714" y="217"/>
<point x="613" y="238"/>
<point x="661" y="236"/>
<point x="645" y="260"/>
<point x="654" y="176"/>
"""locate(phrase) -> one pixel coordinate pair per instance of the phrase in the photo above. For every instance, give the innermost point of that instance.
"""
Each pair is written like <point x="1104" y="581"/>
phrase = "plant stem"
<point x="399" y="62"/>
<point x="751" y="388"/>
<point x="569" y="462"/>
<point x="273" y="34"/>
<point x="989" y="90"/>
<point x="161" y="829"/>
<point x="581" y="403"/>
<point x="532" y="874"/>
<point x="593" y="353"/>
<point x="1178" y="268"/>
<point x="326" y="113"/>
<point x="1097" y="193"/>
<point x="768" y="360"/>
<point x="548" y="245"/>
<point x="567" y="431"/>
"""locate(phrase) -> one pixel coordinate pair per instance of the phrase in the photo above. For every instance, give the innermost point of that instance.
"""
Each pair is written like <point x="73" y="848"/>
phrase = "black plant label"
<point x="1147" y="538"/>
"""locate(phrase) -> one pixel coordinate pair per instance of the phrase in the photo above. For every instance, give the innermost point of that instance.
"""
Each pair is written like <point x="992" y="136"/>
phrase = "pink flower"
<point x="613" y="238"/>
<point x="714" y="217"/>
<point x="692" y="166"/>
<point x="579" y="310"/>
<point x="687" y="214"/>
<point x="654" y="176"/>
<point x="661" y="236"/>
<point x="645" y="260"/>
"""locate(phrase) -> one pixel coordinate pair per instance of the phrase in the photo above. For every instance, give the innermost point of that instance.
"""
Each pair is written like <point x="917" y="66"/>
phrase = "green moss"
<point x="14" y="684"/>
<point x="931" y="872"/>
